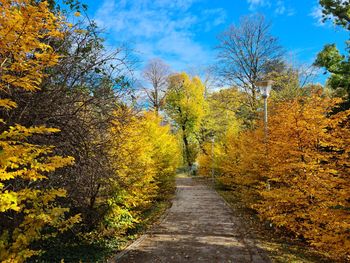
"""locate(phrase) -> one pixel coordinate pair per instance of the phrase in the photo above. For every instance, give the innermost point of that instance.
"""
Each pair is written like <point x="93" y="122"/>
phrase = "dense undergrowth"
<point x="73" y="249"/>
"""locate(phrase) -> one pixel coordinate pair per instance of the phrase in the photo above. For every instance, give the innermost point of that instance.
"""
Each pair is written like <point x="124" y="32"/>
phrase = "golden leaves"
<point x="143" y="153"/>
<point x="24" y="56"/>
<point x="185" y="101"/>
<point x="301" y="173"/>
<point x="7" y="104"/>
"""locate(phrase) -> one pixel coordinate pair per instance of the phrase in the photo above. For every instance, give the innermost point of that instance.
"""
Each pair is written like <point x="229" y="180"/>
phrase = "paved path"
<point x="199" y="227"/>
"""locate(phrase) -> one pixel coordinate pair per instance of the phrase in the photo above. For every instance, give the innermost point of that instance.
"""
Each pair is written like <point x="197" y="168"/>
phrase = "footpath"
<point x="199" y="227"/>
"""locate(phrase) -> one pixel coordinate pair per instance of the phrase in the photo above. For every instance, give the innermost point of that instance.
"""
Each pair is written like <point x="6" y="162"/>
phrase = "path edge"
<point x="119" y="255"/>
<point x="248" y="238"/>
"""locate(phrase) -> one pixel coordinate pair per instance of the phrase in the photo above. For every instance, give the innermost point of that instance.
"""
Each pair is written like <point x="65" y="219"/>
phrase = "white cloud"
<point x="162" y="28"/>
<point x="218" y="17"/>
<point x="182" y="5"/>
<point x="280" y="7"/>
<point x="317" y="14"/>
<point x="254" y="4"/>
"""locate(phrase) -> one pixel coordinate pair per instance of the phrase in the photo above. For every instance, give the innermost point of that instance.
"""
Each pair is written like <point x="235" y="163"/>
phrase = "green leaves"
<point x="338" y="65"/>
<point x="185" y="104"/>
<point x="339" y="10"/>
<point x="330" y="58"/>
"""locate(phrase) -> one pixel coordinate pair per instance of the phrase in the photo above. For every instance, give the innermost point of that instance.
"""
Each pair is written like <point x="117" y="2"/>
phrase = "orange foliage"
<point x="301" y="174"/>
<point x="308" y="161"/>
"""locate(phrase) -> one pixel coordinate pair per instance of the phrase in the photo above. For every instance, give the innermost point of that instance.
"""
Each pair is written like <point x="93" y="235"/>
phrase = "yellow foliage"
<point x="221" y="112"/>
<point x="23" y="58"/>
<point x="26" y="163"/>
<point x="301" y="173"/>
<point x="186" y="105"/>
<point x="23" y="55"/>
<point x="219" y="123"/>
<point x="143" y="153"/>
<point x="237" y="162"/>
<point x="166" y="151"/>
<point x="185" y="101"/>
<point x="133" y="163"/>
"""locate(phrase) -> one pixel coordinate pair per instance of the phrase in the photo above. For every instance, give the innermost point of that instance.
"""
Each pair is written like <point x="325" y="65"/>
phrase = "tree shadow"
<point x="192" y="247"/>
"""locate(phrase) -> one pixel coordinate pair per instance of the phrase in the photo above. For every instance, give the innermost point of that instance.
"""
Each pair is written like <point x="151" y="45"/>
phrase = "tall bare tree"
<point x="245" y="51"/>
<point x="156" y="73"/>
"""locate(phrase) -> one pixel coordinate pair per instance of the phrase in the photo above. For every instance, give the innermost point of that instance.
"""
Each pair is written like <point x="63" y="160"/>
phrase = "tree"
<point x="290" y="81"/>
<point x="338" y="10"/>
<point x="144" y="154"/>
<point x="298" y="178"/>
<point x="77" y="95"/>
<point x="185" y="105"/>
<point x="26" y="209"/>
<point x="330" y="57"/>
<point x="308" y="172"/>
<point x="244" y="52"/>
<point x="338" y="65"/>
<point x="156" y="73"/>
<point x="221" y="115"/>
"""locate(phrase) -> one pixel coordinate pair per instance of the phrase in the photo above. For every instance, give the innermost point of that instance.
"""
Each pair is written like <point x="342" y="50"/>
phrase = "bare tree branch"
<point x="156" y="73"/>
<point x="244" y="50"/>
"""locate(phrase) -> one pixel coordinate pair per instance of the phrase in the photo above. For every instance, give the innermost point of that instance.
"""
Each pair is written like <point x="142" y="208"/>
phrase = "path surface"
<point x="199" y="227"/>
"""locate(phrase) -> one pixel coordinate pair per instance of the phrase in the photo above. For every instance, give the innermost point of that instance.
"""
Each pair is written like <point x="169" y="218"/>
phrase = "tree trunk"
<point x="186" y="144"/>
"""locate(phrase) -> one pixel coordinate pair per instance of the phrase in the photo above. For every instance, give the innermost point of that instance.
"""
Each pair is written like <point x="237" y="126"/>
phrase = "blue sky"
<point x="183" y="32"/>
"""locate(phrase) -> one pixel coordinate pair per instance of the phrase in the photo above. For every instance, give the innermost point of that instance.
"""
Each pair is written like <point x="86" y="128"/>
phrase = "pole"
<point x="265" y="118"/>
<point x="266" y="134"/>
<point x="212" y="158"/>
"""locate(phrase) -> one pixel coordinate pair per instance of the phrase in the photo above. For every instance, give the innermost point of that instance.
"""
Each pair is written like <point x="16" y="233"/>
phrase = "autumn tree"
<point x="238" y="152"/>
<point x="145" y="155"/>
<point x="156" y="73"/>
<point x="26" y="209"/>
<point x="224" y="110"/>
<point x="78" y="95"/>
<point x="222" y="114"/>
<point x="290" y="81"/>
<point x="185" y="105"/>
<point x="298" y="178"/>
<point x="244" y="51"/>
<point x="307" y="172"/>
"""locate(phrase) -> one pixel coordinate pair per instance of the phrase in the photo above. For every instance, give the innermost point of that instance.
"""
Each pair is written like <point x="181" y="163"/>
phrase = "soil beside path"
<point x="199" y="227"/>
